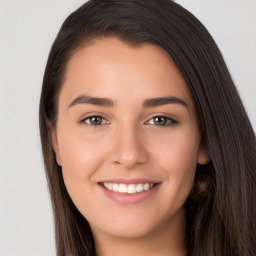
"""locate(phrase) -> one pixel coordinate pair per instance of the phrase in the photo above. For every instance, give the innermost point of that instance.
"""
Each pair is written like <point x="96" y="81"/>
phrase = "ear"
<point x="202" y="155"/>
<point x="54" y="142"/>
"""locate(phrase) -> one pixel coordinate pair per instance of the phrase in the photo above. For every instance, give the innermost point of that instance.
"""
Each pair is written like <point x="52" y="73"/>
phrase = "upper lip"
<point x="129" y="181"/>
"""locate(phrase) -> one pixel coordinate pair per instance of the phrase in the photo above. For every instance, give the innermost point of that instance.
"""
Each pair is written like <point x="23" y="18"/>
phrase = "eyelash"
<point x="90" y="118"/>
<point x="167" y="121"/>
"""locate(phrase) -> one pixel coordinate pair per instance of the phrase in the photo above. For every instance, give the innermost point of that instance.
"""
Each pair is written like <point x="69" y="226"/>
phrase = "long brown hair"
<point x="221" y="208"/>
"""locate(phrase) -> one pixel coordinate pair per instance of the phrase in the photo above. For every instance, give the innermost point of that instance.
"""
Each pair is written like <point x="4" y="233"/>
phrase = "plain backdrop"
<point x="27" y="30"/>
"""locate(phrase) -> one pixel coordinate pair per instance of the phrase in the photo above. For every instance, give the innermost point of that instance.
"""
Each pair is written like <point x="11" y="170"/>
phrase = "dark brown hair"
<point x="221" y="208"/>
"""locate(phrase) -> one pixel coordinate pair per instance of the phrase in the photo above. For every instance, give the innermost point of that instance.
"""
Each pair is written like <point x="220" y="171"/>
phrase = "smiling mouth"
<point x="128" y="188"/>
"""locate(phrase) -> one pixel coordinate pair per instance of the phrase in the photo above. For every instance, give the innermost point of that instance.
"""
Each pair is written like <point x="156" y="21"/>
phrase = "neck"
<point x="167" y="240"/>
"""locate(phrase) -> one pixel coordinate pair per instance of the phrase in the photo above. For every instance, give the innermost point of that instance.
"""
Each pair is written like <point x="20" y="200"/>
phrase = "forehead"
<point x="108" y="66"/>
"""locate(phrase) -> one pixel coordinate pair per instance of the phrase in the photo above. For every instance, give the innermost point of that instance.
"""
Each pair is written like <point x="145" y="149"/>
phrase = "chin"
<point x="130" y="232"/>
<point x="131" y="226"/>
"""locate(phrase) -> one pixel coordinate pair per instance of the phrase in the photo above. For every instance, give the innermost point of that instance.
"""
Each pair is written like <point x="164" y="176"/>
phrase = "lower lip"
<point x="127" y="198"/>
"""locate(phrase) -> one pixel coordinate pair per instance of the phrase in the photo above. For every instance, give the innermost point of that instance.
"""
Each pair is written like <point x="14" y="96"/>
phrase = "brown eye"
<point x="94" y="120"/>
<point x="162" y="121"/>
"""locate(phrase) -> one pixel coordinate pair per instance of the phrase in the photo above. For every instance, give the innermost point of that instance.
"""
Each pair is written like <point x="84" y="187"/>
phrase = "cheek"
<point x="180" y="165"/>
<point x="178" y="151"/>
<point x="81" y="156"/>
<point x="177" y="157"/>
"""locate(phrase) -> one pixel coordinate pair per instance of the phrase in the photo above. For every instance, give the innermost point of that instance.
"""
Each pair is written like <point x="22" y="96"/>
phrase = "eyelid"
<point x="93" y="113"/>
<point x="84" y="118"/>
<point x="172" y="120"/>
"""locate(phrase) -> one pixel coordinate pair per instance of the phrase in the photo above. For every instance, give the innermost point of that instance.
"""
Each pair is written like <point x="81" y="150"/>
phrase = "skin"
<point x="128" y="143"/>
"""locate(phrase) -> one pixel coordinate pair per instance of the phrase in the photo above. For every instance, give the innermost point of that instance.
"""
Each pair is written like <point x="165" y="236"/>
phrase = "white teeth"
<point x="131" y="188"/>
<point x="122" y="188"/>
<point x="115" y="187"/>
<point x="146" y="186"/>
<point x="139" y="188"/>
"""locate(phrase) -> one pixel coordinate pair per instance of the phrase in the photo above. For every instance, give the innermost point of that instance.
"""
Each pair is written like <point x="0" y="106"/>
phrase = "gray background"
<point x="27" y="29"/>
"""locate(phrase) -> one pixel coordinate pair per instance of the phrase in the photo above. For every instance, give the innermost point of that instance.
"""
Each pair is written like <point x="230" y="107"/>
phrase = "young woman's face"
<point x="127" y="138"/>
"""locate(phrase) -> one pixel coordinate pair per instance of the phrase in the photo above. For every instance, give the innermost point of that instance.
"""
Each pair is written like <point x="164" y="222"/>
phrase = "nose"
<point x="128" y="148"/>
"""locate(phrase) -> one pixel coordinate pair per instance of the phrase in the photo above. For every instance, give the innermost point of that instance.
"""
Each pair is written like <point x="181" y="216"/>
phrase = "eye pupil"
<point x="160" y="120"/>
<point x="95" y="120"/>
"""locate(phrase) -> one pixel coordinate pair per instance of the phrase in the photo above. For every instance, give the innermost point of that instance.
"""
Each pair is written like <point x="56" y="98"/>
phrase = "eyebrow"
<point x="105" y="102"/>
<point x="84" y="99"/>
<point x="154" y="102"/>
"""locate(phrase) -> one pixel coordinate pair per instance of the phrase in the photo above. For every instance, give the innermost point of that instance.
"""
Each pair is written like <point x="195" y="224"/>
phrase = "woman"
<point x="147" y="147"/>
